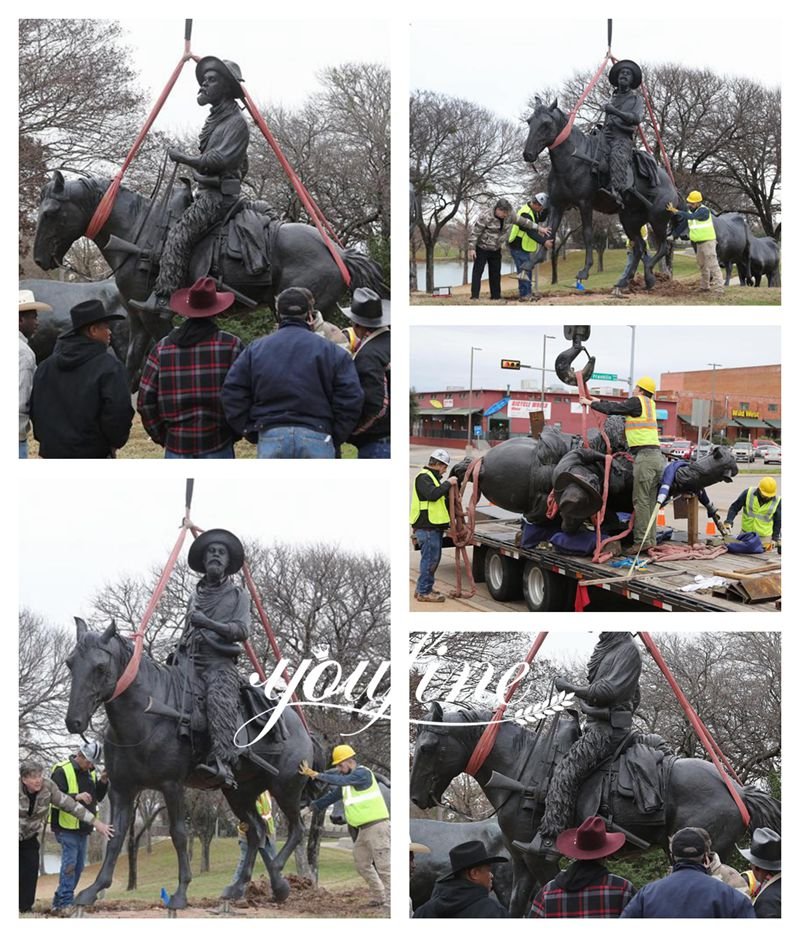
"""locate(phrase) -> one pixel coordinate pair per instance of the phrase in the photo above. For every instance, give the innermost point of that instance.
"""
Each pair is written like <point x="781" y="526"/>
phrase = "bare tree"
<point x="146" y="808"/>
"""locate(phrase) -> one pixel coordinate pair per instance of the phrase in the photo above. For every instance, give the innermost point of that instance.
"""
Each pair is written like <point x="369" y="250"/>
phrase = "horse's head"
<point x="441" y="753"/>
<point x="65" y="209"/>
<point x="544" y="125"/>
<point x="94" y="671"/>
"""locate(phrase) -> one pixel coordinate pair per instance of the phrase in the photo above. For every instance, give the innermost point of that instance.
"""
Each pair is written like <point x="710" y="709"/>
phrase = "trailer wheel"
<point x="503" y="576"/>
<point x="479" y="563"/>
<point x="544" y="591"/>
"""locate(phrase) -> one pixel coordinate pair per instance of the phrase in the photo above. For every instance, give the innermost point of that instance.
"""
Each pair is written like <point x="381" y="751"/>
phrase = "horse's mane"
<point x="126" y="648"/>
<point x="466" y="713"/>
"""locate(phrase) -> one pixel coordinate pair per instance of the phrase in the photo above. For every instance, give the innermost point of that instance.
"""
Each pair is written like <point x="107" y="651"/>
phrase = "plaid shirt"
<point x="179" y="394"/>
<point x="603" y="899"/>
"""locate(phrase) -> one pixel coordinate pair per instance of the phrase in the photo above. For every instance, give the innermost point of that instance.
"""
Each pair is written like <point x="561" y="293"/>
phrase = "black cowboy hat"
<point x="465" y="856"/>
<point x="368" y="309"/>
<point x="216" y="536"/>
<point x="226" y="67"/>
<point x="765" y="849"/>
<point x="585" y="480"/>
<point x="617" y="67"/>
<point x="86" y="313"/>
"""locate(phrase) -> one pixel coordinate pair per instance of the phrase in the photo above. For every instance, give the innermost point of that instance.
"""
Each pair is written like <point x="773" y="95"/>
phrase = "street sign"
<point x="513" y="363"/>
<point x="603" y="377"/>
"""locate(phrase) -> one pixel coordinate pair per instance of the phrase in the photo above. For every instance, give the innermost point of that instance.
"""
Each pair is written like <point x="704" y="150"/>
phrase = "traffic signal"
<point x="513" y="363"/>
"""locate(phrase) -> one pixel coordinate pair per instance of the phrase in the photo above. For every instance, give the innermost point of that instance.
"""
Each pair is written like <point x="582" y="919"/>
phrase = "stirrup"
<point x="155" y="303"/>
<point x="544" y="847"/>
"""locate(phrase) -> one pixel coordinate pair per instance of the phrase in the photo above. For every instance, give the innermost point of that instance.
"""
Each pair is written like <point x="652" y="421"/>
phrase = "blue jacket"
<point x="293" y="378"/>
<point x="688" y="892"/>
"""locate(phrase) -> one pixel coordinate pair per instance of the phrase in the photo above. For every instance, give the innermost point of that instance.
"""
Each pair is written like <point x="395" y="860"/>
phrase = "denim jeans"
<point x="294" y="443"/>
<point x="23" y="449"/>
<point x="380" y="449"/>
<point x="73" y="857"/>
<point x="225" y="453"/>
<point x="267" y="853"/>
<point x="430" y="553"/>
<point x="522" y="257"/>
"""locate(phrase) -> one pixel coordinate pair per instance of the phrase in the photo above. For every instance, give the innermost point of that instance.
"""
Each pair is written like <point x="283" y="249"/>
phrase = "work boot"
<point x="430" y="598"/>
<point x="155" y="303"/>
<point x="543" y="846"/>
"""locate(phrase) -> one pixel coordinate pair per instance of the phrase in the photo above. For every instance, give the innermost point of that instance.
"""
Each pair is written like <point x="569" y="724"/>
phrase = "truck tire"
<point x="544" y="591"/>
<point x="503" y="576"/>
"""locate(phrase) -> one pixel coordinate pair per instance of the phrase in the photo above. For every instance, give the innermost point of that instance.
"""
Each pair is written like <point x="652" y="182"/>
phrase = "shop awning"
<point x="447" y="411"/>
<point x="751" y="423"/>
<point x="775" y="424"/>
<point x="686" y="418"/>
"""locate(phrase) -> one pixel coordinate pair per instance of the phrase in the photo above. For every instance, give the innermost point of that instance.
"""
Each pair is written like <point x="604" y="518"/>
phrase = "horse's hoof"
<point x="177" y="902"/>
<point x="281" y="892"/>
<point x="233" y="891"/>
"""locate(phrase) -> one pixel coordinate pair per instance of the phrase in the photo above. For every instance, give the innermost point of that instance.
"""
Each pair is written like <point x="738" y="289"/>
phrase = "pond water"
<point x="450" y="273"/>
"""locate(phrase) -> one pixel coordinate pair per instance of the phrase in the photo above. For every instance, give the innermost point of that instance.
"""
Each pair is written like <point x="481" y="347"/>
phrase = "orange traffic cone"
<point x="661" y="520"/>
<point x="711" y="528"/>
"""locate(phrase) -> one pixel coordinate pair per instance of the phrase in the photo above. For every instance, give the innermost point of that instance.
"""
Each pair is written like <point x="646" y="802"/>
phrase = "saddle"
<point x="643" y="163"/>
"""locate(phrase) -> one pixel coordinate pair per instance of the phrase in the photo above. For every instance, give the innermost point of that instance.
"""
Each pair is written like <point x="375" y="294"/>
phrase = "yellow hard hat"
<point x="646" y="384"/>
<point x="768" y="487"/>
<point x="694" y="197"/>
<point x="340" y="753"/>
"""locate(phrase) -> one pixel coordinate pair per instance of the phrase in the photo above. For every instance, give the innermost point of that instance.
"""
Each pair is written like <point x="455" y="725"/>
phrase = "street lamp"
<point x="633" y="349"/>
<point x="544" y="359"/>
<point x="713" y="366"/>
<point x="473" y="349"/>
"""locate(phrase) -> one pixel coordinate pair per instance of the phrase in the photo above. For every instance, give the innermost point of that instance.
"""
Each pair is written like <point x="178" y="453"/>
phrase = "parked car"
<point x="762" y="445"/>
<point x="681" y="448"/>
<point x="744" y="451"/>
<point x="665" y="442"/>
<point x="772" y="454"/>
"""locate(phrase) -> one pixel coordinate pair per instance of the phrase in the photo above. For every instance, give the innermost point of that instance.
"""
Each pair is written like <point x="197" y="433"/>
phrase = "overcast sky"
<point x="279" y="59"/>
<point x="501" y="64"/>
<point x="101" y="530"/>
<point x="440" y="355"/>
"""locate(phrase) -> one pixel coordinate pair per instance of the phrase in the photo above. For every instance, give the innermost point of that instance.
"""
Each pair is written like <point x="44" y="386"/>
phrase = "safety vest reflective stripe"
<point x="643" y="430"/>
<point x="437" y="511"/>
<point x="67" y="821"/>
<point x="362" y="807"/>
<point x="264" y="808"/>
<point x="528" y="244"/>
<point x="702" y="230"/>
<point x="758" y="516"/>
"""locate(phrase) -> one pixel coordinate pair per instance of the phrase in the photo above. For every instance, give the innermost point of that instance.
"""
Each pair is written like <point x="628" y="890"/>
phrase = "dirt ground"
<point x="305" y="901"/>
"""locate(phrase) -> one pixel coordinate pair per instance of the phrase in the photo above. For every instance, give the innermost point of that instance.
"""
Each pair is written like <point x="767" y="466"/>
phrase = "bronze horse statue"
<point x="143" y="749"/>
<point x="573" y="181"/>
<point x="130" y="243"/>
<point x="694" y="796"/>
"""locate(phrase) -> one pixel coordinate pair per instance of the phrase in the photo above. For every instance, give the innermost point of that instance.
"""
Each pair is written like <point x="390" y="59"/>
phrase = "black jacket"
<point x="372" y="361"/>
<point x="80" y="404"/>
<point x="96" y="790"/>
<point x="767" y="903"/>
<point x="457" y="898"/>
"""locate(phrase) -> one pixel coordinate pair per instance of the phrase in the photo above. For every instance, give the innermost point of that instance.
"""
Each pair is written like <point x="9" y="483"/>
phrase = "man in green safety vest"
<point x="641" y="435"/>
<point x="77" y="777"/>
<point x="365" y="810"/>
<point x="704" y="238"/>
<point x="429" y="519"/>
<point x="522" y="243"/>
<point x="762" y="511"/>
<point x="267" y="851"/>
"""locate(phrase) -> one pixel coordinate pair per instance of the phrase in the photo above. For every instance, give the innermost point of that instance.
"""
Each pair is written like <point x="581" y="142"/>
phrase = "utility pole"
<point x="633" y="350"/>
<point x="544" y="359"/>
<point x="713" y="366"/>
<point x="472" y="351"/>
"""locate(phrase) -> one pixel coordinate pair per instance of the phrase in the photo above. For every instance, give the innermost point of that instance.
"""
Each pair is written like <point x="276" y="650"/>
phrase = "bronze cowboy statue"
<point x="624" y="113"/>
<point x="218" y="172"/>
<point x="609" y="701"/>
<point x="217" y="622"/>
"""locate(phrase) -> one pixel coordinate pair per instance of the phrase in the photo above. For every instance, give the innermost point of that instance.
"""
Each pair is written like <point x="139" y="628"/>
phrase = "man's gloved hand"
<point x="671" y="208"/>
<point x="307" y="812"/>
<point x="727" y="527"/>
<point x="305" y="769"/>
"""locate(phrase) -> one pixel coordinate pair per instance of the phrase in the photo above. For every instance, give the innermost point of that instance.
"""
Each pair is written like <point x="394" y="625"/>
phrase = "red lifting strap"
<point x="489" y="735"/>
<point x="709" y="744"/>
<point x="574" y="112"/>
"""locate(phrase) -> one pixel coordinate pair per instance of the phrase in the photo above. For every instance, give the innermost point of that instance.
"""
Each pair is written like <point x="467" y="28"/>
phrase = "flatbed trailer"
<point x="547" y="579"/>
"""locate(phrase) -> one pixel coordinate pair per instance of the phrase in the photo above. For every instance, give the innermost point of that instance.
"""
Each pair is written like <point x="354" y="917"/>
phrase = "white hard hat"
<point x="542" y="198"/>
<point x="92" y="750"/>
<point x="440" y="455"/>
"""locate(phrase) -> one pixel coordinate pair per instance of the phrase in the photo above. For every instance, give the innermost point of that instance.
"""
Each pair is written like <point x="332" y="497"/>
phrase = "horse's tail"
<point x="314" y="789"/>
<point x="364" y="272"/>
<point x="764" y="810"/>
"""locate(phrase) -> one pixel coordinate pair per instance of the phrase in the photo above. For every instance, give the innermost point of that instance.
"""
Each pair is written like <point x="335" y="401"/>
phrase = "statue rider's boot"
<point x="541" y="845"/>
<point x="157" y="303"/>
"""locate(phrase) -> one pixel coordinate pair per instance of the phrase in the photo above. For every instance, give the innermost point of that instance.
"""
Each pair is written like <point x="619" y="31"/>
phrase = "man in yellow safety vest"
<point x="522" y="243"/>
<point x="267" y="851"/>
<point x="365" y="810"/>
<point x="703" y="236"/>
<point x="762" y="511"/>
<point x="641" y="435"/>
<point x="78" y="778"/>
<point x="430" y="518"/>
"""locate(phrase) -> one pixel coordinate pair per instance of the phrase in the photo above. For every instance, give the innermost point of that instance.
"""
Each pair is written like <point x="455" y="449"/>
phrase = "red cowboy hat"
<point x="590" y="841"/>
<point x="200" y="300"/>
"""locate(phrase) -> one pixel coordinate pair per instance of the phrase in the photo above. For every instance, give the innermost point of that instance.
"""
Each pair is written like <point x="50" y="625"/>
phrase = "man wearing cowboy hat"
<point x="764" y="856"/>
<point x="585" y="889"/>
<point x="29" y="311"/>
<point x="466" y="890"/>
<point x="218" y="172"/>
<point x="373" y="358"/>
<point x="217" y="622"/>
<point x="179" y="394"/>
<point x="624" y="113"/>
<point x="296" y="395"/>
<point x="80" y="403"/>
<point x="689" y="891"/>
